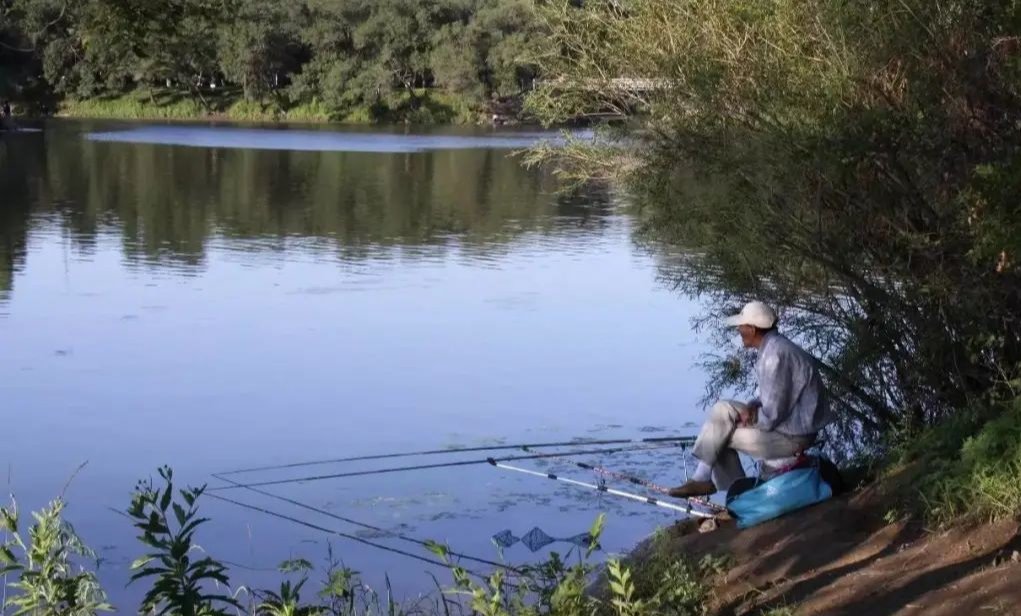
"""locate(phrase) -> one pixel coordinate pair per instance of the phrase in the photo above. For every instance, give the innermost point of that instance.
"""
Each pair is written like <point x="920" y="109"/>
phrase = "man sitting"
<point x="781" y="422"/>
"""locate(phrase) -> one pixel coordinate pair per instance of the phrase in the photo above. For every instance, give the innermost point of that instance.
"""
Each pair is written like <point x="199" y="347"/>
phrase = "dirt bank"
<point x="842" y="557"/>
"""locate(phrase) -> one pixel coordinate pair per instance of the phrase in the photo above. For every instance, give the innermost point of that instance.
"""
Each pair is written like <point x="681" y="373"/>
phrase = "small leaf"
<point x="437" y="548"/>
<point x="168" y="494"/>
<point x="142" y="562"/>
<point x="7" y="556"/>
<point x="180" y="514"/>
<point x="10" y="569"/>
<point x="149" y="572"/>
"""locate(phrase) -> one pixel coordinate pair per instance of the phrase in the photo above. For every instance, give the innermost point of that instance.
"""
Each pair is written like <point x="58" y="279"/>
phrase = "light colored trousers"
<point x="721" y="439"/>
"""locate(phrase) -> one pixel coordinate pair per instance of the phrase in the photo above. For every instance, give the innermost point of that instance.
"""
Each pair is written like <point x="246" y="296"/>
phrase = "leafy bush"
<point x="49" y="581"/>
<point x="981" y="479"/>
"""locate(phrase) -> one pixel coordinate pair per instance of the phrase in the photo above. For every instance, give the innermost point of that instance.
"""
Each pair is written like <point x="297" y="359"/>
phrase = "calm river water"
<point x="221" y="298"/>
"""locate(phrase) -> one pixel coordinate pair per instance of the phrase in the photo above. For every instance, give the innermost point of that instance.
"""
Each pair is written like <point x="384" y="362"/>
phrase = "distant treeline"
<point x="336" y="56"/>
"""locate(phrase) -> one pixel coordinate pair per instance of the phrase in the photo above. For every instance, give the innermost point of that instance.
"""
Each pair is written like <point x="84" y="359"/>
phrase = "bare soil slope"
<point x="841" y="557"/>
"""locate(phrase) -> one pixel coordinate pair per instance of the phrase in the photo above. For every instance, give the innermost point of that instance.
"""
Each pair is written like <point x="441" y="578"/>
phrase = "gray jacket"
<point x="791" y="391"/>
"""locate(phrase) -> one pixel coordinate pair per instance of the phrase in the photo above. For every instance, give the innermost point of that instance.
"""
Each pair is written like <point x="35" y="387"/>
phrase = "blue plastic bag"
<point x="788" y="492"/>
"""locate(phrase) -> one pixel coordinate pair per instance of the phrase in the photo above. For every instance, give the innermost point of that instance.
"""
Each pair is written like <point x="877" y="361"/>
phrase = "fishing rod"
<point x="433" y="452"/>
<point x="329" y="514"/>
<point x="602" y="488"/>
<point x="398" y="469"/>
<point x="605" y="472"/>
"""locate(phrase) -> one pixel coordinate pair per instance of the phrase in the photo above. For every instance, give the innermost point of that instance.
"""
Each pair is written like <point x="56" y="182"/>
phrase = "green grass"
<point x="983" y="482"/>
<point x="252" y="111"/>
<point x="969" y="467"/>
<point x="426" y="107"/>
<point x="135" y="106"/>
<point x="359" y="115"/>
<point x="314" y="111"/>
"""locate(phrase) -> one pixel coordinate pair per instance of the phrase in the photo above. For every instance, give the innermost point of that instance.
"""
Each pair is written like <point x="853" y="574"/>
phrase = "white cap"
<point x="755" y="314"/>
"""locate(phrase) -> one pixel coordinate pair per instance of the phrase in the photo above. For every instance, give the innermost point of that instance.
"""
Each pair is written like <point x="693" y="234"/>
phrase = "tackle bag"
<point x="752" y="501"/>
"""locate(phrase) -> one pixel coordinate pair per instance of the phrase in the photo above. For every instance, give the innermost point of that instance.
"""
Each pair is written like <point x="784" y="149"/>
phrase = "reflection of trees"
<point x="17" y="188"/>
<point x="169" y="201"/>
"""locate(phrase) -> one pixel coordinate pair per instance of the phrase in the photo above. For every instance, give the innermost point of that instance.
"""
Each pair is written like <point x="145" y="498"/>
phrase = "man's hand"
<point x="749" y="416"/>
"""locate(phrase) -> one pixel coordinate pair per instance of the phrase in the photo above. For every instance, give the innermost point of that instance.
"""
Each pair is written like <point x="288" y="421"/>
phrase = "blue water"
<point x="215" y="308"/>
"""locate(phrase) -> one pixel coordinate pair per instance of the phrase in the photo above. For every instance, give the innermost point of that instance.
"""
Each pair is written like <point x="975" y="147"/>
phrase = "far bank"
<point x="422" y="106"/>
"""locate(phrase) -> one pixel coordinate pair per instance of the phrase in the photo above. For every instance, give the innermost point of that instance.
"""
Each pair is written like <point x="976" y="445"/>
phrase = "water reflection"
<point x="320" y="140"/>
<point x="21" y="158"/>
<point x="170" y="204"/>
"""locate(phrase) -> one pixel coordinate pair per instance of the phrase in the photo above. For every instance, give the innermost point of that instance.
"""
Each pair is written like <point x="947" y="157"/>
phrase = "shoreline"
<point x="268" y="120"/>
<point x="226" y="119"/>
<point x="422" y="107"/>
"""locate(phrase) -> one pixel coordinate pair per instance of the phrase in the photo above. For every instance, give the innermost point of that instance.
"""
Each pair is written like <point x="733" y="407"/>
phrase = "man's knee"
<point x="726" y="410"/>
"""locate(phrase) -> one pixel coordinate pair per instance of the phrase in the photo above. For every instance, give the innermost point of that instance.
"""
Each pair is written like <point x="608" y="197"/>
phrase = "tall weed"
<point x="183" y="585"/>
<point x="49" y="577"/>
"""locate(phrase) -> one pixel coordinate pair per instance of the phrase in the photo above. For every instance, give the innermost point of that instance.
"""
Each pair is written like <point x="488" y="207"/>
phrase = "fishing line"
<point x="398" y="469"/>
<point x="433" y="452"/>
<point x="362" y="524"/>
<point x="343" y="535"/>
<point x="646" y="445"/>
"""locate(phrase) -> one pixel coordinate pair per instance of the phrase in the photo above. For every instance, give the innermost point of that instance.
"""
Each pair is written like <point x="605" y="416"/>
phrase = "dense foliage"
<point x="856" y="163"/>
<point x="337" y="55"/>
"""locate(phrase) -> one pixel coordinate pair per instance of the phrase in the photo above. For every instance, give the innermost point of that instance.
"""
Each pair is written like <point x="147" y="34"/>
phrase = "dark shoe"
<point x="693" y="488"/>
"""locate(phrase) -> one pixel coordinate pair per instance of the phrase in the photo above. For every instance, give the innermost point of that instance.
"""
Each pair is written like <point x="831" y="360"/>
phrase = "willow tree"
<point x="854" y="163"/>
